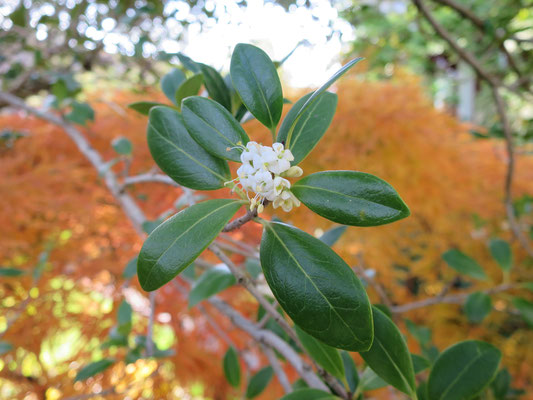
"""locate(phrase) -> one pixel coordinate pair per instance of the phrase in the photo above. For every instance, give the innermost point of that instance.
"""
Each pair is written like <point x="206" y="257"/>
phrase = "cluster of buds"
<point x="263" y="172"/>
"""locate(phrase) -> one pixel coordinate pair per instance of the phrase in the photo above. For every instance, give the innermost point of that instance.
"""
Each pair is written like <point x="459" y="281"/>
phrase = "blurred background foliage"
<point x="414" y="114"/>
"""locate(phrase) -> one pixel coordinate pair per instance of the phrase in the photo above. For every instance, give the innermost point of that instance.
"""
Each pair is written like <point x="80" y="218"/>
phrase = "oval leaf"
<point x="93" y="369"/>
<point x="210" y="283"/>
<point x="190" y="87"/>
<point x="464" y="264"/>
<point x="309" y="394"/>
<point x="171" y="82"/>
<point x="232" y="368"/>
<point x="501" y="252"/>
<point x="179" y="156"/>
<point x="478" y="305"/>
<point x="131" y="269"/>
<point x="389" y="356"/>
<point x="122" y="145"/>
<point x="310" y="127"/>
<point x="144" y="107"/>
<point x="215" y="86"/>
<point x="213" y="127"/>
<point x="314" y="96"/>
<point x="176" y="243"/>
<point x="351" y="198"/>
<point x="331" y="236"/>
<point x="371" y="381"/>
<point x="326" y="356"/>
<point x="255" y="78"/>
<point x="259" y="382"/>
<point x="463" y="370"/>
<point x="11" y="272"/>
<point x="316" y="288"/>
<point x="351" y="374"/>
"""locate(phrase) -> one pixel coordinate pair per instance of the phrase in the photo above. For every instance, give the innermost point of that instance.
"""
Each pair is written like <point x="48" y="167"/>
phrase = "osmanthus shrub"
<point x="193" y="140"/>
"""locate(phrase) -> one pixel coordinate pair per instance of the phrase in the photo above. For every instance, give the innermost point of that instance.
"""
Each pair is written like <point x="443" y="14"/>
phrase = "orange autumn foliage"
<point x="388" y="129"/>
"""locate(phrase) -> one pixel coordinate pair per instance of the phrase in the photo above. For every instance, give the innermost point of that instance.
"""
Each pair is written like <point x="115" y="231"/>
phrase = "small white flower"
<point x="287" y="200"/>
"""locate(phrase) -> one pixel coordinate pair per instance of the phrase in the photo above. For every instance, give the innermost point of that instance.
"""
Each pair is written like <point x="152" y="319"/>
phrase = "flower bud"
<point x="293" y="172"/>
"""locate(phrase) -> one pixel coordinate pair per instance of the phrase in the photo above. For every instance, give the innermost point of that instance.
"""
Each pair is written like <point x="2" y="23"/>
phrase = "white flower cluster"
<point x="263" y="172"/>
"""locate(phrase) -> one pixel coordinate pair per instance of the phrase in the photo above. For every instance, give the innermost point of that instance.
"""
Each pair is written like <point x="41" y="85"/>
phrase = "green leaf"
<point x="131" y="269"/>
<point x="316" y="288"/>
<point x="144" y="107"/>
<point x="419" y="363"/>
<point x="190" y="87"/>
<point x="122" y="146"/>
<point x="93" y="369"/>
<point x="178" y="241"/>
<point x="331" y="236"/>
<point x="5" y="347"/>
<point x="478" y="305"/>
<point x="310" y="127"/>
<point x="18" y="16"/>
<point x="253" y="267"/>
<point x="352" y="377"/>
<point x="213" y="127"/>
<point x="309" y="394"/>
<point x="259" y="382"/>
<point x="124" y="318"/>
<point x="179" y="156"/>
<point x="326" y="356"/>
<point x="370" y="380"/>
<point x="463" y="370"/>
<point x="389" y="356"/>
<point x="210" y="283"/>
<point x="255" y="78"/>
<point x="171" y="82"/>
<point x="215" y="86"/>
<point x="501" y="252"/>
<point x="188" y="63"/>
<point x="351" y="198"/>
<point x="80" y="113"/>
<point x="232" y="368"/>
<point x="311" y="99"/>
<point x="421" y="333"/>
<point x="464" y="264"/>
<point x="501" y="384"/>
<point x="11" y="272"/>
<point x="526" y="309"/>
<point x="422" y="391"/>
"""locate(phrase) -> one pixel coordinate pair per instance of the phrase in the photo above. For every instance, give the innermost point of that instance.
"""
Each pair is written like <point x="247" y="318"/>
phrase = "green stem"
<point x="273" y="133"/>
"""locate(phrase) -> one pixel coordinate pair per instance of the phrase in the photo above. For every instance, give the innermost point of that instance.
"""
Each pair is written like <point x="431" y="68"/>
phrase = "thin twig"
<point x="148" y="177"/>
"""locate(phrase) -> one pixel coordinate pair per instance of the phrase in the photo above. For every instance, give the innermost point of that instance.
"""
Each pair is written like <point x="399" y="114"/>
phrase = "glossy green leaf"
<point x="351" y="198"/>
<point x="463" y="370"/>
<point x="370" y="380"/>
<point x="464" y="264"/>
<point x="176" y="243"/>
<point x="326" y="356"/>
<point x="11" y="272"/>
<point x="93" y="369"/>
<point x="525" y="307"/>
<point x="131" y="269"/>
<point x="215" y="86"/>
<point x="232" y="368"/>
<point x="316" y="288"/>
<point x="122" y="145"/>
<point x="190" y="87"/>
<point x="144" y="107"/>
<point x="315" y="95"/>
<point x="259" y="382"/>
<point x="5" y="347"/>
<point x="309" y="394"/>
<point x="213" y="127"/>
<point x="310" y="127"/>
<point x="171" y="82"/>
<point x="210" y="283"/>
<point x="419" y="363"/>
<point x="350" y="371"/>
<point x="389" y="356"/>
<point x="501" y="252"/>
<point x="501" y="384"/>
<point x="478" y="305"/>
<point x="124" y="318"/>
<point x="331" y="236"/>
<point x="255" y="78"/>
<point x="179" y="156"/>
<point x="422" y="391"/>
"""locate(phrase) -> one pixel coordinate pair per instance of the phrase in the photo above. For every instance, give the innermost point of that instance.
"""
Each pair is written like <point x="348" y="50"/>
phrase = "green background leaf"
<point x="501" y="252"/>
<point x="122" y="146"/>
<point x="464" y="264"/>
<point x="232" y="368"/>
<point x="210" y="283"/>
<point x="351" y="198"/>
<point x="309" y="394"/>
<point x="11" y="272"/>
<point x="93" y="369"/>
<point x="190" y="87"/>
<point x="259" y="382"/>
<point x="144" y="107"/>
<point x="331" y="236"/>
<point x="316" y="288"/>
<point x="478" y="305"/>
<point x="350" y="371"/>
<point x="171" y="82"/>
<point x="216" y="87"/>
<point x="463" y="370"/>
<point x="176" y="243"/>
